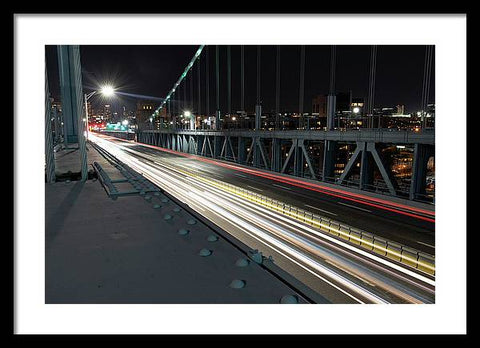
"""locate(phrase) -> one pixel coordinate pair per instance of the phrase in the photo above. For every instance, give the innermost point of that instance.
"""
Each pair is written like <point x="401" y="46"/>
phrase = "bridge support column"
<point x="258" y="117"/>
<point x="217" y="146"/>
<point x="242" y="154"/>
<point x="70" y="73"/>
<point x="256" y="151"/>
<point x="297" y="159"/>
<point x="68" y="89"/>
<point x="366" y="169"/>
<point x="217" y="120"/>
<point x="419" y="170"/>
<point x="329" y="158"/>
<point x="201" y="144"/>
<point x="185" y="144"/>
<point x="276" y="154"/>
<point x="167" y="141"/>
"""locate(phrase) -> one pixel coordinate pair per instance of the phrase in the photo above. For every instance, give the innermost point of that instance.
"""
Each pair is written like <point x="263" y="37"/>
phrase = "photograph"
<point x="193" y="173"/>
<point x="240" y="174"/>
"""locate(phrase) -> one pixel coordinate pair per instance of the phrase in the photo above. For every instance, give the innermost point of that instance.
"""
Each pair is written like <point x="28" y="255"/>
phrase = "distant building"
<point x="400" y="110"/>
<point x="145" y="109"/>
<point x="319" y="105"/>
<point x="357" y="107"/>
<point x="105" y="113"/>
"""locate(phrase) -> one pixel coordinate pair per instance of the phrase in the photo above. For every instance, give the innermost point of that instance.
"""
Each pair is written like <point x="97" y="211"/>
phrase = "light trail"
<point x="397" y="208"/>
<point x="284" y="235"/>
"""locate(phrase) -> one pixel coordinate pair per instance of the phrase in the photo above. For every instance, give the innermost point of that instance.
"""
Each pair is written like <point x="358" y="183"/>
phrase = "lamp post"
<point x="107" y="91"/>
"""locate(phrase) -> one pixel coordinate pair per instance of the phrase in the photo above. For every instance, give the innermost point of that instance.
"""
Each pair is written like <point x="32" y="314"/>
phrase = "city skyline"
<point x="152" y="71"/>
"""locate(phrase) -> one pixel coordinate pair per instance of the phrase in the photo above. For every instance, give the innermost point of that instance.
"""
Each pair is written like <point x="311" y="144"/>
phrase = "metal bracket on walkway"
<point x="140" y="185"/>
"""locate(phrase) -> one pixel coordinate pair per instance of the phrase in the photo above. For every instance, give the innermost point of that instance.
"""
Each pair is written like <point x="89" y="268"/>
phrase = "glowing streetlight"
<point x="125" y="122"/>
<point x="356" y="110"/>
<point x="107" y="91"/>
<point x="187" y="113"/>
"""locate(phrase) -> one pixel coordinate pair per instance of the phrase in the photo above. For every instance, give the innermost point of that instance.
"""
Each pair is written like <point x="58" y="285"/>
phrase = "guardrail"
<point x="380" y="246"/>
<point x="120" y="134"/>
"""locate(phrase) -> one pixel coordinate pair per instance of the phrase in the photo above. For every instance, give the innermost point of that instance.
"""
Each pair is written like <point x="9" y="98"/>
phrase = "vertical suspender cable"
<point x="258" y="107"/>
<point x="217" y="73"/>
<point x="426" y="83"/>
<point x="422" y="103"/>
<point x="199" y="111"/>
<point x="430" y="58"/>
<point x="331" y="98"/>
<point x="169" y="110"/>
<point x="229" y="80"/>
<point x="217" y="76"/>
<point x="277" y="91"/>
<point x="180" y="101"/>
<point x="374" y="83"/>
<point x="371" y="85"/>
<point x="191" y="91"/>
<point x="333" y="58"/>
<point x="258" y="73"/>
<point x="207" y="81"/>
<point x="302" y="86"/>
<point x="185" y="105"/>
<point x="242" y="78"/>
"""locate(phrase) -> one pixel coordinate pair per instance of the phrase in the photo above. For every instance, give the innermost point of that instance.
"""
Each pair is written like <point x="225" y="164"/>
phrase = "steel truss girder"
<point x="366" y="135"/>
<point x="210" y="147"/>
<point x="257" y="149"/>
<point x="363" y="149"/>
<point x="227" y="149"/>
<point x="300" y="154"/>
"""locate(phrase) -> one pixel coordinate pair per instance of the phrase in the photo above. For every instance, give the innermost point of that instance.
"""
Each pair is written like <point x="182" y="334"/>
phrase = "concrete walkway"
<point x="142" y="249"/>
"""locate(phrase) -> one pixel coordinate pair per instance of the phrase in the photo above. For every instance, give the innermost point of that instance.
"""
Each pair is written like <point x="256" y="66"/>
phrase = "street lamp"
<point x="188" y="114"/>
<point x="106" y="90"/>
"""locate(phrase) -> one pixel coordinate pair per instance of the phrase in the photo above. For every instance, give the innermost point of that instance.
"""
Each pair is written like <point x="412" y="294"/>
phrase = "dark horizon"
<point x="152" y="70"/>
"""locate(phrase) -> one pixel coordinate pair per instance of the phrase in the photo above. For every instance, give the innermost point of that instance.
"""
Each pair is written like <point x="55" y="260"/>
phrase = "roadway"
<point x="403" y="224"/>
<point x="338" y="271"/>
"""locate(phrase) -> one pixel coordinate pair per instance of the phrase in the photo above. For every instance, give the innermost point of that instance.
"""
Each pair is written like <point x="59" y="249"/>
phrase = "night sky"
<point x="152" y="71"/>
